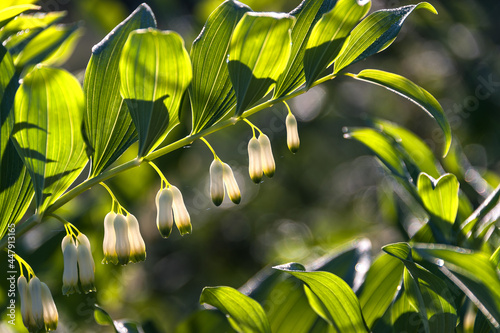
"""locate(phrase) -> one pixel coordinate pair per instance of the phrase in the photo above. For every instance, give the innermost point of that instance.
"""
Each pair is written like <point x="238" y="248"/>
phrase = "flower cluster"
<point x="123" y="242"/>
<point x="78" y="264"/>
<point x="222" y="176"/>
<point x="38" y="309"/>
<point x="171" y="208"/>
<point x="260" y="158"/>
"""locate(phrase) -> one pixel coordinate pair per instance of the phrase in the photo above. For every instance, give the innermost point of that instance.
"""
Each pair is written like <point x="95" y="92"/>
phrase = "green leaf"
<point x="211" y="91"/>
<point x="414" y="93"/>
<point x="244" y="314"/>
<point x="101" y="316"/>
<point x="470" y="271"/>
<point x="375" y="33"/>
<point x="258" y="54"/>
<point x="65" y="50"/>
<point x="45" y="44"/>
<point x="483" y="216"/>
<point x="331" y="298"/>
<point x="440" y="197"/>
<point x="402" y="251"/>
<point x="16" y="189"/>
<point x="48" y="111"/>
<point x="28" y="23"/>
<point x="382" y="146"/>
<point x="328" y="36"/>
<point x="7" y="14"/>
<point x="380" y="287"/>
<point x="10" y="3"/>
<point x="107" y="122"/>
<point x="205" y="321"/>
<point x="155" y="71"/>
<point x="307" y="14"/>
<point x="121" y="326"/>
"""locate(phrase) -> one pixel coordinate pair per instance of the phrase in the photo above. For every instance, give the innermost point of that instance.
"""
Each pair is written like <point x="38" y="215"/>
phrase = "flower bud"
<point x="70" y="274"/>
<point x="254" y="160"/>
<point x="50" y="315"/>
<point x="181" y="215"/>
<point x="122" y="246"/>
<point x="233" y="191"/>
<point x="36" y="302"/>
<point x="86" y="266"/>
<point x="109" y="242"/>
<point x="24" y="294"/>
<point x="292" y="133"/>
<point x="216" y="182"/>
<point x="164" y="217"/>
<point x="137" y="245"/>
<point x="268" y="165"/>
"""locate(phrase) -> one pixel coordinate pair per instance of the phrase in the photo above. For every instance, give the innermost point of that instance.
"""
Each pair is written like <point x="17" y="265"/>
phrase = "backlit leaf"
<point x="211" y="91"/>
<point x="155" y="71"/>
<point x="7" y="14"/>
<point x="48" y="116"/>
<point x="107" y="123"/>
<point x="28" y="23"/>
<point x="258" y="54"/>
<point x="328" y="36"/>
<point x="440" y="197"/>
<point x="375" y="33"/>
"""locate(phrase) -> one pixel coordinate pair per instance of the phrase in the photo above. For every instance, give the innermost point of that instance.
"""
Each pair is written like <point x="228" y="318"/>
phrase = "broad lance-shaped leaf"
<point x="46" y="44"/>
<point x="375" y="33"/>
<point x="244" y="314"/>
<point x="440" y="197"/>
<point x="48" y="111"/>
<point x="7" y="14"/>
<point x="155" y="71"/>
<point x="211" y="92"/>
<point x="16" y="189"/>
<point x="330" y="297"/>
<point x="30" y="22"/>
<point x="470" y="271"/>
<point x="413" y="92"/>
<point x="258" y="54"/>
<point x="328" y="36"/>
<point x="307" y="14"/>
<point x="107" y="123"/>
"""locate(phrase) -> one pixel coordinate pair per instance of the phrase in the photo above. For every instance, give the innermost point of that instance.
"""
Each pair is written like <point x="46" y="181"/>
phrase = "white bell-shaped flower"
<point x="181" y="215"/>
<point x="36" y="302"/>
<point x="254" y="160"/>
<point x="137" y="245"/>
<point x="122" y="246"/>
<point x="109" y="242"/>
<point x="292" y="133"/>
<point x="216" y="182"/>
<point x="26" y="312"/>
<point x="86" y="266"/>
<point x="268" y="165"/>
<point x="50" y="315"/>
<point x="232" y="188"/>
<point x="70" y="274"/>
<point x="164" y="216"/>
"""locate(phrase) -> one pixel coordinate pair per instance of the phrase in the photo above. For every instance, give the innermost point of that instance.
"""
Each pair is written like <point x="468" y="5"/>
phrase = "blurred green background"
<point x="329" y="193"/>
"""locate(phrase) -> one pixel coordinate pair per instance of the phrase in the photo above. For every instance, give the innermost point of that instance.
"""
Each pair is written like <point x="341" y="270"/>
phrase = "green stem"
<point x="91" y="182"/>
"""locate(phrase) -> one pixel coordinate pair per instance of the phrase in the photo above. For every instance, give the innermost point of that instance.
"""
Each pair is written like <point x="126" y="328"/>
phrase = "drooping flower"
<point x="137" y="245"/>
<point x="232" y="188"/>
<point x="254" y="160"/>
<point x="122" y="245"/>
<point x="216" y="182"/>
<point x="86" y="266"/>
<point x="24" y="294"/>
<point x="181" y="215"/>
<point x="50" y="315"/>
<point x="109" y="242"/>
<point x="70" y="274"/>
<point x="35" y="288"/>
<point x="164" y="216"/>
<point x="267" y="158"/>
<point x="292" y="133"/>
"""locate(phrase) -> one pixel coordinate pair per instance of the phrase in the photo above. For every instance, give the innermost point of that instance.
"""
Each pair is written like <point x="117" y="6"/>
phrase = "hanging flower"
<point x="70" y="274"/>
<point x="181" y="215"/>
<point x="216" y="182"/>
<point x="38" y="310"/>
<point x="137" y="245"/>
<point x="24" y="294"/>
<point x="254" y="160"/>
<point x="109" y="243"/>
<point x="35" y="288"/>
<point x="292" y="133"/>
<point x="86" y="266"/>
<point x="233" y="191"/>
<point x="122" y="246"/>
<point x="164" y="216"/>
<point x="268" y="165"/>
<point x="50" y="315"/>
